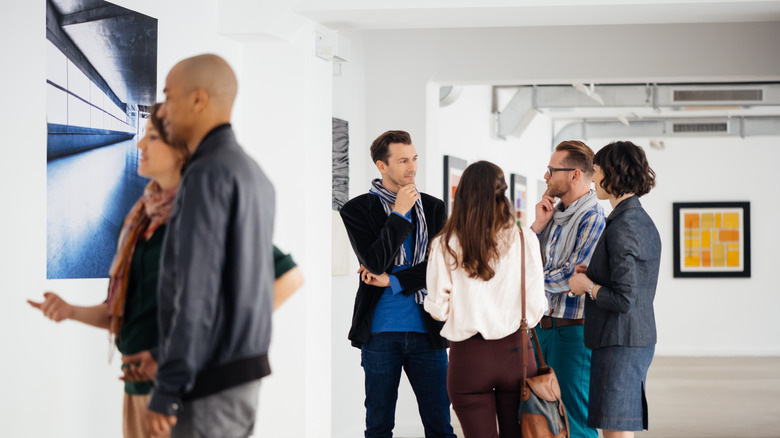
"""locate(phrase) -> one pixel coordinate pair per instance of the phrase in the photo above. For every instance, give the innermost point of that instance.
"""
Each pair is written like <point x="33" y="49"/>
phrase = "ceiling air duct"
<point x="677" y="109"/>
<point x="697" y="127"/>
<point x="720" y="95"/>
<point x="754" y="95"/>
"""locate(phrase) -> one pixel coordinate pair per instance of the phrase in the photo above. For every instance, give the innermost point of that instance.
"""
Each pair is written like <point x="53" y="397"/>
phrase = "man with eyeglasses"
<point x="568" y="232"/>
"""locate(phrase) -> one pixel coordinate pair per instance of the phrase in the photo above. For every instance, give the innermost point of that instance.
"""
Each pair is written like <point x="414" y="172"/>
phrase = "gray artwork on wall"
<point x="340" y="163"/>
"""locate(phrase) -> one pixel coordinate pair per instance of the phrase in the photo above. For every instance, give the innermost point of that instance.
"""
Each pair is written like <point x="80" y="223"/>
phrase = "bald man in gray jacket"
<point x="216" y="278"/>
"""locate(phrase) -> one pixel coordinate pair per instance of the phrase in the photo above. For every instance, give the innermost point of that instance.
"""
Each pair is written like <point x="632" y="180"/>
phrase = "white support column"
<point x="286" y="103"/>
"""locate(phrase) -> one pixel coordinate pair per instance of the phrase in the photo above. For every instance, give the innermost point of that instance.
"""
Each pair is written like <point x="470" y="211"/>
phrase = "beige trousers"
<point x="134" y="415"/>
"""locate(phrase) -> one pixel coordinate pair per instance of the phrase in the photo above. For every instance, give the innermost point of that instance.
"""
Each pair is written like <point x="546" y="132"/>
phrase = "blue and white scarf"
<point x="421" y="231"/>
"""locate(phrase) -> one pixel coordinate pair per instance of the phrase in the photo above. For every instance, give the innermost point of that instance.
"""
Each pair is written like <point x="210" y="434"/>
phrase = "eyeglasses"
<point x="550" y="170"/>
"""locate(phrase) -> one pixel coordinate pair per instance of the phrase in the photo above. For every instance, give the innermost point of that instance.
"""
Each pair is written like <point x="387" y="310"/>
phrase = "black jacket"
<point x="216" y="277"/>
<point x="625" y="263"/>
<point x="376" y="239"/>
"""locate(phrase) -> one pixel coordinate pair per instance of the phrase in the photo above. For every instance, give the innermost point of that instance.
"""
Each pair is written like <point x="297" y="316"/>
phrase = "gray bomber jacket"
<point x="216" y="276"/>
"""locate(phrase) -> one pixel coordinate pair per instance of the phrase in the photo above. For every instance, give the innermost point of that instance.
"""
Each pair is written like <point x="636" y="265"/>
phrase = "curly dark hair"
<point x="480" y="210"/>
<point x="625" y="169"/>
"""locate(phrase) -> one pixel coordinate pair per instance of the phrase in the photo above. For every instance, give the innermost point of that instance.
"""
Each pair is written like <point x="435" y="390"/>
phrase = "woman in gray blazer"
<point x="621" y="281"/>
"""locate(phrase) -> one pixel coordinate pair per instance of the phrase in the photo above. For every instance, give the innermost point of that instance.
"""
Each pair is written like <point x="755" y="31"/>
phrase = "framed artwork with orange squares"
<point x="711" y="239"/>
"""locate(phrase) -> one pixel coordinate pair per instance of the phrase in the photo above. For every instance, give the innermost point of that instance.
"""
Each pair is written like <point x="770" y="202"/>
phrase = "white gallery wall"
<point x="348" y="413"/>
<point x="716" y="316"/>
<point x="59" y="379"/>
<point x="288" y="121"/>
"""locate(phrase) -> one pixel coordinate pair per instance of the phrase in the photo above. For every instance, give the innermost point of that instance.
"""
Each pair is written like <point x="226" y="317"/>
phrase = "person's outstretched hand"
<point x="53" y="307"/>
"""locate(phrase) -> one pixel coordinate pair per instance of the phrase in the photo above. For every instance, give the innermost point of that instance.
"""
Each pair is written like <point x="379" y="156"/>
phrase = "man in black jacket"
<point x="216" y="276"/>
<point x="389" y="228"/>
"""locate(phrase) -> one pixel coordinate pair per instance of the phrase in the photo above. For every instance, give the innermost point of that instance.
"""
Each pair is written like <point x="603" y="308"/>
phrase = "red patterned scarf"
<point x="148" y="213"/>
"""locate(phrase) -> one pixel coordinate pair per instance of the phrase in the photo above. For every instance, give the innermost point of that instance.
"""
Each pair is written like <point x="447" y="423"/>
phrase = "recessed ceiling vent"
<point x="719" y="95"/>
<point x="698" y="128"/>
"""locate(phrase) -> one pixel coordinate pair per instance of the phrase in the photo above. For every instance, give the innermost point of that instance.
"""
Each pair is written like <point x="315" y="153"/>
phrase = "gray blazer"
<point x="625" y="263"/>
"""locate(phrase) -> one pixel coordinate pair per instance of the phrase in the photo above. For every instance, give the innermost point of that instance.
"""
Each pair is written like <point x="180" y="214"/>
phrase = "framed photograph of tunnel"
<point x="711" y="239"/>
<point x="453" y="169"/>
<point x="101" y="79"/>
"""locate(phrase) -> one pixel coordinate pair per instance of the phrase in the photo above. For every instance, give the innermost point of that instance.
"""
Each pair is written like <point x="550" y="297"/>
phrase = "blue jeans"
<point x="565" y="352"/>
<point x="382" y="358"/>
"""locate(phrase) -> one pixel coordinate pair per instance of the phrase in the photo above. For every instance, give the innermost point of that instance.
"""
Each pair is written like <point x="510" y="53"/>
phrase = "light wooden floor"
<point x="710" y="398"/>
<point x="734" y="397"/>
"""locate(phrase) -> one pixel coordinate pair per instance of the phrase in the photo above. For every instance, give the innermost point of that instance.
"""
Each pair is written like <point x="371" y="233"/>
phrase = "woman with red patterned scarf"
<point x="130" y="310"/>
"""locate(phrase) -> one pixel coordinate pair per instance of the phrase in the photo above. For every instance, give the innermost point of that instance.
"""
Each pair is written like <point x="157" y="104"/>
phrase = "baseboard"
<point x="704" y="352"/>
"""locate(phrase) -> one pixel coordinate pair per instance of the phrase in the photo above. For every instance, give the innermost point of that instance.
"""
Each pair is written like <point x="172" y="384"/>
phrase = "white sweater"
<point x="491" y="308"/>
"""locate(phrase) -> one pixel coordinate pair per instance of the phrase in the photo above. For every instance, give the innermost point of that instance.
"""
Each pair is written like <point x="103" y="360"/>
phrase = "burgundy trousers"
<point x="483" y="381"/>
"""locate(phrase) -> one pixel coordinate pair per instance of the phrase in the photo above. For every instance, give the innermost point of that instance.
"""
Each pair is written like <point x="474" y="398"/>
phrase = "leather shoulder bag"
<point x="541" y="413"/>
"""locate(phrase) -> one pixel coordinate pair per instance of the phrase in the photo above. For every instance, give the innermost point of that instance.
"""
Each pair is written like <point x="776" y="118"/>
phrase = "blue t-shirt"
<point x="396" y="312"/>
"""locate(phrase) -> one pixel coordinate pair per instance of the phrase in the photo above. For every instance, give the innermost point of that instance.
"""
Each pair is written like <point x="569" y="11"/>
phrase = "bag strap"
<point x="532" y="332"/>
<point x="524" y="321"/>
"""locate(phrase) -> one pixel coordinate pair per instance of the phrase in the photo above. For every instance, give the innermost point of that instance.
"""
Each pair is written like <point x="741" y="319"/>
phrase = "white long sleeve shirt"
<point x="491" y="308"/>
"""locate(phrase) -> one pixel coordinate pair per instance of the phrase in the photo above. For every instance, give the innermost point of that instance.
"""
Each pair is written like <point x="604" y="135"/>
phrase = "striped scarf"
<point x="421" y="231"/>
<point x="148" y="213"/>
<point x="569" y="218"/>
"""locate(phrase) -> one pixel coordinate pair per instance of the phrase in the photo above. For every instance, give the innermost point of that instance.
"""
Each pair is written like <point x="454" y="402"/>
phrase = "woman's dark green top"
<point x="139" y="327"/>
<point x="282" y="262"/>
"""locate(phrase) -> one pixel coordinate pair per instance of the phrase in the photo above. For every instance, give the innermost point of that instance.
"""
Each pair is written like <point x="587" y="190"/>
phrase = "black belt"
<point x="549" y="322"/>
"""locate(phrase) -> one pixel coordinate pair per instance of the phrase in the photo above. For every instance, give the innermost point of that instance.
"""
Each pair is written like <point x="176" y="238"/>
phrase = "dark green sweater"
<point x="139" y="328"/>
<point x="282" y="262"/>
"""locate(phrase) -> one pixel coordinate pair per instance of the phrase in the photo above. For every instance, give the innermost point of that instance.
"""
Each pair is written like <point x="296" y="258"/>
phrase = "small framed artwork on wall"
<point x="519" y="194"/>
<point x="453" y="169"/>
<point x="711" y="239"/>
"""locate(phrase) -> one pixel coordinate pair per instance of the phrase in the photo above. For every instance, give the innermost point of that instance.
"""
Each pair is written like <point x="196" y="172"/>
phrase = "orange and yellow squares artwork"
<point x="712" y="238"/>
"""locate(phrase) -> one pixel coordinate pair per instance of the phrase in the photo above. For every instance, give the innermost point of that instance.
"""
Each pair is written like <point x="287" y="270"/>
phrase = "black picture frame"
<point x="453" y="169"/>
<point x="735" y="263"/>
<point x="518" y="192"/>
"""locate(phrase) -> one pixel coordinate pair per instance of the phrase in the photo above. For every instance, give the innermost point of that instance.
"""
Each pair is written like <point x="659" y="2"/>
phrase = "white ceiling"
<point x="417" y="14"/>
<point x="432" y="14"/>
